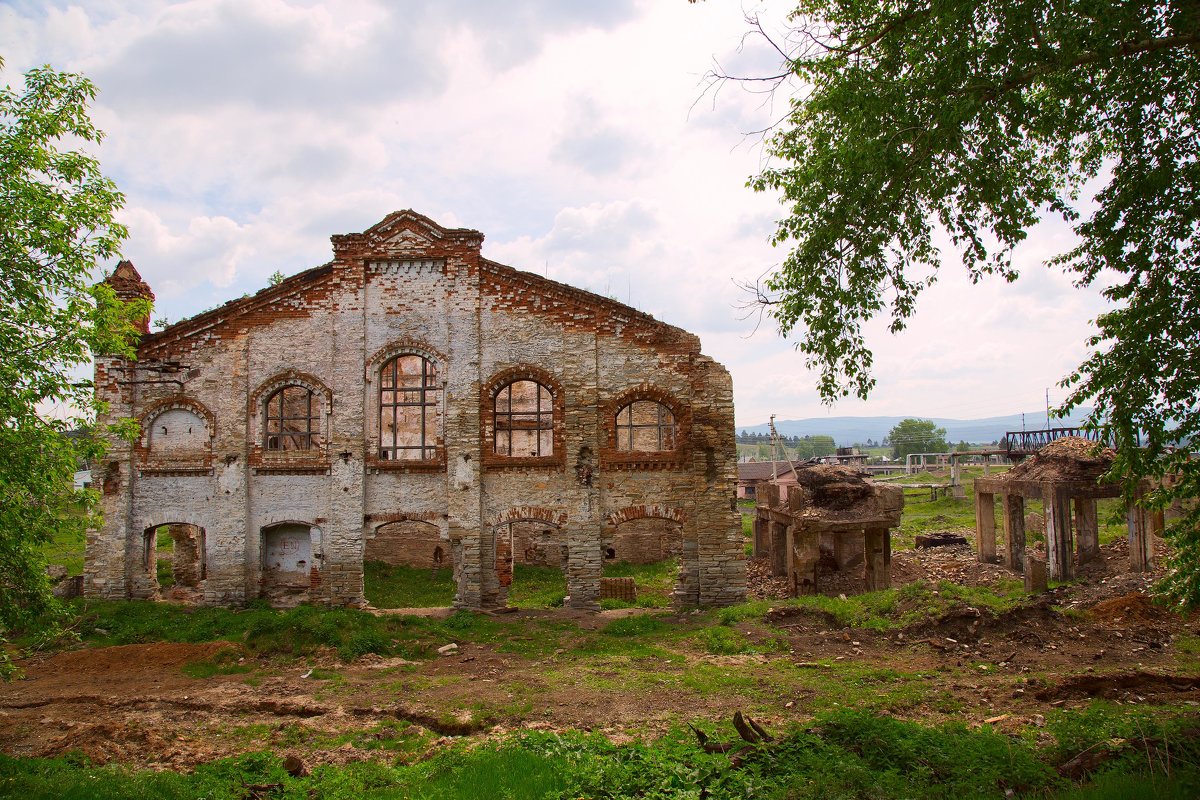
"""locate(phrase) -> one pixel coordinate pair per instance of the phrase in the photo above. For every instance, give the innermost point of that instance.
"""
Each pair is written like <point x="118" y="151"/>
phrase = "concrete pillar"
<point x="878" y="561"/>
<point x="762" y="538"/>
<point x="985" y="526"/>
<point x="1035" y="575"/>
<point x="1087" y="529"/>
<point x="1013" y="515"/>
<point x="805" y="553"/>
<point x="1060" y="555"/>
<point x="1141" y="540"/>
<point x="779" y="557"/>
<point x="847" y="550"/>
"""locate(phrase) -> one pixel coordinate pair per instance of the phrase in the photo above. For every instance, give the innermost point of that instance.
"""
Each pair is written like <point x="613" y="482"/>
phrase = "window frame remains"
<point x="272" y="441"/>
<point x="426" y="396"/>
<point x="664" y="423"/>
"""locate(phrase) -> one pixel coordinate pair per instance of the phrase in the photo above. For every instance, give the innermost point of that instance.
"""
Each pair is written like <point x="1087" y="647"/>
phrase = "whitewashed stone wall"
<point x="409" y="286"/>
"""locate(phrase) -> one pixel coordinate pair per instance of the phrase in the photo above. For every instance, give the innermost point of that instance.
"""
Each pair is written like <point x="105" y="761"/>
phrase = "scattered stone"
<point x="295" y="767"/>
<point x="448" y="649"/>
<point x="1036" y="581"/>
<point x="927" y="540"/>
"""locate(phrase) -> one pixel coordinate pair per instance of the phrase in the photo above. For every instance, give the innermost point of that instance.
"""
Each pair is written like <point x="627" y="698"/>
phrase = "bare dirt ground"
<point x="1098" y="637"/>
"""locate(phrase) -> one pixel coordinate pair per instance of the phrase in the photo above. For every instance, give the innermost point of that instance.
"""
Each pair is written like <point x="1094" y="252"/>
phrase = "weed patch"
<point x="388" y="586"/>
<point x="843" y="754"/>
<point x="224" y="662"/>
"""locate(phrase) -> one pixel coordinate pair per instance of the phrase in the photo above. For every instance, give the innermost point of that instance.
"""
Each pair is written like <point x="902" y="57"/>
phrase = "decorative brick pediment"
<point x="407" y="233"/>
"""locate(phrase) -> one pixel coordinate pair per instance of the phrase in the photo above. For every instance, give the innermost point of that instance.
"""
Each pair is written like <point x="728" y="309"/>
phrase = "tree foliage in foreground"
<point x="56" y="223"/>
<point x="972" y="120"/>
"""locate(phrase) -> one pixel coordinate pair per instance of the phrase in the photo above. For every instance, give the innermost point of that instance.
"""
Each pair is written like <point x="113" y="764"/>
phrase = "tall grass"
<point x="388" y="586"/>
<point x="843" y="754"/>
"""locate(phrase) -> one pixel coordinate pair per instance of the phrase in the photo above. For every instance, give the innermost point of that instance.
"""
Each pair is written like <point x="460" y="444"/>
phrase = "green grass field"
<point x="840" y="754"/>
<point x="532" y="587"/>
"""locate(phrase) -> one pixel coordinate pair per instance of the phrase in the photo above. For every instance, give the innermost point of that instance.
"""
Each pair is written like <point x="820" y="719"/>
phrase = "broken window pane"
<point x="524" y="420"/>
<point x="293" y="420"/>
<point x="410" y="407"/>
<point x="645" y="426"/>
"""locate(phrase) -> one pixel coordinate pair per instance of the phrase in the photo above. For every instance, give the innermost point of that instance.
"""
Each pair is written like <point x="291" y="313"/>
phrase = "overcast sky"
<point x="575" y="135"/>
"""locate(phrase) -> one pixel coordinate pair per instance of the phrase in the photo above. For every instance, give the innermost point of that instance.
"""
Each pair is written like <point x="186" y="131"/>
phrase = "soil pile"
<point x="1068" y="459"/>
<point x="1134" y="606"/>
<point x="834" y="487"/>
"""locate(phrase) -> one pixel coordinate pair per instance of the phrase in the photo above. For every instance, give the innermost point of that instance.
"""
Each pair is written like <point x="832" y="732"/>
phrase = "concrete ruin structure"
<point x="1066" y="476"/>
<point x="830" y="517"/>
<point x="414" y="402"/>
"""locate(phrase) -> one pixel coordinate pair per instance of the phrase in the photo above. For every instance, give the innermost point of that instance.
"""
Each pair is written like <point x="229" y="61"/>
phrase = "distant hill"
<point x="848" y="430"/>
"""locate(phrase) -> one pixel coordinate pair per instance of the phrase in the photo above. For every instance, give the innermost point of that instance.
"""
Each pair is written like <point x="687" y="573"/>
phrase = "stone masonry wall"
<point x="406" y="286"/>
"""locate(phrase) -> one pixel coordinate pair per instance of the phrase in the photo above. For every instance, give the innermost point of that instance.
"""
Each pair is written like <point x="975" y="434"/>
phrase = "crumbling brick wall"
<point x="410" y="287"/>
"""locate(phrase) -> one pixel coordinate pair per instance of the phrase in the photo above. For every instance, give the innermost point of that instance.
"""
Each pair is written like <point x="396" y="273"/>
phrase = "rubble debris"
<point x="927" y="540"/>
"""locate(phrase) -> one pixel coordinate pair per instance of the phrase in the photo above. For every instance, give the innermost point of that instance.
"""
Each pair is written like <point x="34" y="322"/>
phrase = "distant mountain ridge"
<point x="851" y="430"/>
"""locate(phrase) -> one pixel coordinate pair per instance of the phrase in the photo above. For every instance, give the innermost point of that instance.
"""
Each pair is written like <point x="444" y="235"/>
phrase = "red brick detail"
<point x="520" y="513"/>
<point x="504" y="560"/>
<point x="402" y="347"/>
<point x="289" y="377"/>
<point x="413" y="543"/>
<point x="198" y="463"/>
<point x="576" y="309"/>
<point x="300" y="462"/>
<point x="403" y="516"/>
<point x="487" y="420"/>
<point x="299" y="296"/>
<point x="647" y="512"/>
<point x="384" y="354"/>
<point x="177" y="401"/>
<point x="618" y="589"/>
<point x="612" y="458"/>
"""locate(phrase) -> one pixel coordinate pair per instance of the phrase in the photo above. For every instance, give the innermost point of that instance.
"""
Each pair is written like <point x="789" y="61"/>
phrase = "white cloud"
<point x="576" y="135"/>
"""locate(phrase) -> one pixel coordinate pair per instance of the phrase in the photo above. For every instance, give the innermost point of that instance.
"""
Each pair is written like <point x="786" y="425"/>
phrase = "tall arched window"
<point x="645" y="426"/>
<point x="524" y="417"/>
<point x="293" y="419"/>
<point x="409" y="409"/>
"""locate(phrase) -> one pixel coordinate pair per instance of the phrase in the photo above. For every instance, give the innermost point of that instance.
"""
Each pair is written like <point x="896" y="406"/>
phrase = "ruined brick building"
<point x="414" y="402"/>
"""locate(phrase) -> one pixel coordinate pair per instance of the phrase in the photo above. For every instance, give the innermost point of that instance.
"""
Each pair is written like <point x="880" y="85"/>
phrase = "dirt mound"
<point x="1115" y="686"/>
<point x="790" y="616"/>
<point x="834" y="487"/>
<point x="1134" y="606"/>
<point x="968" y="624"/>
<point x="1068" y="459"/>
<point x="131" y="658"/>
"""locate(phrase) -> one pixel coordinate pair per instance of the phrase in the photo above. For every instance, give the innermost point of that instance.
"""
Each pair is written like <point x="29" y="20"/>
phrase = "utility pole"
<point x="778" y="452"/>
<point x="1047" y="409"/>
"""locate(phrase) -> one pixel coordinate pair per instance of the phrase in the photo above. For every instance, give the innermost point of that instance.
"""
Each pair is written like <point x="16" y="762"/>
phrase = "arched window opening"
<point x="293" y="420"/>
<point x="645" y="426"/>
<point x="524" y="420"/>
<point x="409" y="409"/>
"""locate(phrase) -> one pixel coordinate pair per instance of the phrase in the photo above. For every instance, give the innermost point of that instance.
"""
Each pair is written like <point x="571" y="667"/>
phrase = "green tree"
<point x="56" y="222"/>
<point x="973" y="120"/>
<point x="917" y="436"/>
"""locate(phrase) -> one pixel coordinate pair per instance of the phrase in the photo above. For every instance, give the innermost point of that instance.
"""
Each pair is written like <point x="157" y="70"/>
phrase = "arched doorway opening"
<point x="174" y="559"/>
<point x="288" y="567"/>
<point x="648" y="550"/>
<point x="408" y="564"/>
<point x="531" y="563"/>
